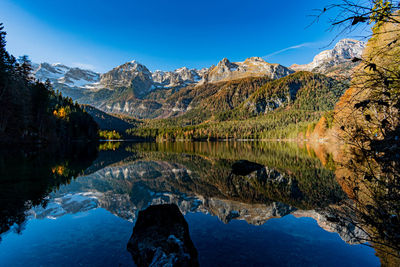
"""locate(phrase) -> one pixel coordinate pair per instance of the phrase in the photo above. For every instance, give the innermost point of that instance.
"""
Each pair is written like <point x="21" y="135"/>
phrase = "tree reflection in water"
<point x="370" y="177"/>
<point x="252" y="181"/>
<point x="29" y="174"/>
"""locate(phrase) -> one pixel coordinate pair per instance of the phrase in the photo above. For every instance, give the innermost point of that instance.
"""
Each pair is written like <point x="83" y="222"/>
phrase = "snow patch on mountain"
<point x="342" y="53"/>
<point x="59" y="75"/>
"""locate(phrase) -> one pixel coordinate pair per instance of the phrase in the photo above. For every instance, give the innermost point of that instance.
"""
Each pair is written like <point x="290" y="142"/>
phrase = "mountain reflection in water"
<point x="252" y="182"/>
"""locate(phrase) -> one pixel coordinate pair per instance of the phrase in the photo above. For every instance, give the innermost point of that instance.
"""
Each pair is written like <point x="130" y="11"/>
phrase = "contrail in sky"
<point x="287" y="49"/>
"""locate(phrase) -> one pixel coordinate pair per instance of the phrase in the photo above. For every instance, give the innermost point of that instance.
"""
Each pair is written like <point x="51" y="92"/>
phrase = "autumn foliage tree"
<point x="367" y="121"/>
<point x="31" y="111"/>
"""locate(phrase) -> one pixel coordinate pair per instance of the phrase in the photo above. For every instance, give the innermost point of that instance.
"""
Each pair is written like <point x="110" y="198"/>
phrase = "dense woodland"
<point x="31" y="111"/>
<point x="285" y="108"/>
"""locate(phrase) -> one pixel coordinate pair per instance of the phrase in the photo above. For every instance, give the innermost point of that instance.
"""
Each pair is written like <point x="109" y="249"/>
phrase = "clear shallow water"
<point x="236" y="216"/>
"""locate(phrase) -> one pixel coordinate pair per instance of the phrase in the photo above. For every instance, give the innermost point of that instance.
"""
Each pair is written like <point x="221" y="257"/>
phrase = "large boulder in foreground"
<point x="161" y="238"/>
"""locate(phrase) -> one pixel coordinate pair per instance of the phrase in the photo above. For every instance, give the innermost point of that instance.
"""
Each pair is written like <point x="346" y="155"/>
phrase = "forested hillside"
<point x="31" y="111"/>
<point x="251" y="108"/>
<point x="110" y="122"/>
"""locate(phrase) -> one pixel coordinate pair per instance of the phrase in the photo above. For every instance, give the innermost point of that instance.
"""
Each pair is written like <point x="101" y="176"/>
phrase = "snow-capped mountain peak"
<point x="59" y="75"/>
<point x="342" y="53"/>
<point x="178" y="78"/>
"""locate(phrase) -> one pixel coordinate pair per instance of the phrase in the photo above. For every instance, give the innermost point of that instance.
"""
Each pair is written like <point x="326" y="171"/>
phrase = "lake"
<point x="246" y="203"/>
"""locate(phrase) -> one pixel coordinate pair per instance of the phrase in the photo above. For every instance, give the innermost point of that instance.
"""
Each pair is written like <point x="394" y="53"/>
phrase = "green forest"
<point x="279" y="109"/>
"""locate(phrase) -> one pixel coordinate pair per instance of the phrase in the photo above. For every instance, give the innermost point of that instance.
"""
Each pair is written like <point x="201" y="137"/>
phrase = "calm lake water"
<point x="253" y="204"/>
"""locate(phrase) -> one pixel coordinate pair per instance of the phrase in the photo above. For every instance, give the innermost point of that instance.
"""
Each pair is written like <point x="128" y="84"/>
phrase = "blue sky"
<point x="164" y="34"/>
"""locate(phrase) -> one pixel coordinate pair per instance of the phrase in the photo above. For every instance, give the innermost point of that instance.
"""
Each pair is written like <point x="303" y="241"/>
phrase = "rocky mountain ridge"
<point x="251" y="67"/>
<point x="336" y="60"/>
<point x="59" y="75"/>
<point x="179" y="77"/>
<point x="127" y="74"/>
<point x="134" y="90"/>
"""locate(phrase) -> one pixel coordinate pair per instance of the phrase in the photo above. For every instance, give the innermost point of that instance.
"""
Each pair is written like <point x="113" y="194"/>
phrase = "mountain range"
<point x="336" y="61"/>
<point x="133" y="89"/>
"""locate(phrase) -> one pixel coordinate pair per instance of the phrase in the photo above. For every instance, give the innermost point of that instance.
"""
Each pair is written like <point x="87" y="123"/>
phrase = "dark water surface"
<point x="254" y="204"/>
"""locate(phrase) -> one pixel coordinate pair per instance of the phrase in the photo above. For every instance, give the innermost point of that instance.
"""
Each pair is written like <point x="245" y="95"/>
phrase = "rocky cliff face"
<point x="251" y="67"/>
<point x="178" y="78"/>
<point x="131" y="75"/>
<point x="336" y="60"/>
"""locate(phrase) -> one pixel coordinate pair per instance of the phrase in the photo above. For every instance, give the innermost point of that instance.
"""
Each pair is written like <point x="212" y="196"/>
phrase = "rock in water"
<point x="244" y="167"/>
<point x="161" y="238"/>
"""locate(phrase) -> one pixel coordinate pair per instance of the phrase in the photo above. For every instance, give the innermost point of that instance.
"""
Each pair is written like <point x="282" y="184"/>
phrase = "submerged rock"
<point x="161" y="238"/>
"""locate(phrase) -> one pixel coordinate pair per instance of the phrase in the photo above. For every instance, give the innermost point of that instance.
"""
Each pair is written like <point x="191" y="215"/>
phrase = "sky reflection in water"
<point x="95" y="230"/>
